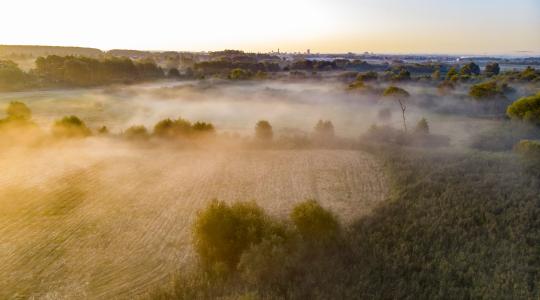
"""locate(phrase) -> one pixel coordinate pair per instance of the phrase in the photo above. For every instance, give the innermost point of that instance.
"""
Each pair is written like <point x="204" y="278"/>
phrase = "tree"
<point x="324" y="129"/>
<point x="222" y="232"/>
<point x="240" y="74"/>
<point x="263" y="131"/>
<point x="492" y="69"/>
<point x="173" y="73"/>
<point x="203" y="128"/>
<point x="313" y="222"/>
<point x="400" y="95"/>
<point x="526" y="109"/>
<point x="173" y="128"/>
<point x="422" y="127"/>
<point x="11" y="76"/>
<point x="451" y="73"/>
<point x="403" y="75"/>
<point x="488" y="90"/>
<point x="18" y="111"/>
<point x="136" y="132"/>
<point x="70" y="127"/>
<point x="368" y="76"/>
<point x="103" y="130"/>
<point x="470" y="69"/>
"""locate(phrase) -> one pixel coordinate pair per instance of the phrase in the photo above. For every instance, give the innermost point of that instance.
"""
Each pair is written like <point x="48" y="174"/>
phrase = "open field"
<point x="97" y="221"/>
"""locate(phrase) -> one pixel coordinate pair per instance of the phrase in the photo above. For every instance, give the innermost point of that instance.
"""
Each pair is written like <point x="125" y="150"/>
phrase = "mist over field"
<point x="291" y="107"/>
<point x="179" y="150"/>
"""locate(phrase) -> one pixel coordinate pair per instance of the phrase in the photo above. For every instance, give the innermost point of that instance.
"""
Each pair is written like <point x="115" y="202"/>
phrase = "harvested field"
<point x="111" y="222"/>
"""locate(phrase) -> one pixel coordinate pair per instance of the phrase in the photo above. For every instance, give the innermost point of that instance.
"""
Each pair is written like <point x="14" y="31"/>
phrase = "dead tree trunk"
<point x="403" y="108"/>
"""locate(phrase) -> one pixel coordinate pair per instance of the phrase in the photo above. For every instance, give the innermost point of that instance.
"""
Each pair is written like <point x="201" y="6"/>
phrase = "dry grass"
<point x="111" y="222"/>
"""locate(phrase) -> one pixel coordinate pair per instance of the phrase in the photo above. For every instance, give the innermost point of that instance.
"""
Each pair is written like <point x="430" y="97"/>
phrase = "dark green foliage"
<point x="526" y="109"/>
<point x="313" y="222"/>
<point x="173" y="73"/>
<point x="451" y="73"/>
<point x="488" y="90"/>
<point x="263" y="131"/>
<point x="173" y="128"/>
<point x="469" y="69"/>
<point x="86" y="71"/>
<point x="529" y="74"/>
<point x="70" y="127"/>
<point x="240" y="74"/>
<point x="397" y="92"/>
<point x="11" y="77"/>
<point x="492" y="69"/>
<point x="222" y="233"/>
<point x="402" y="75"/>
<point x="422" y="127"/>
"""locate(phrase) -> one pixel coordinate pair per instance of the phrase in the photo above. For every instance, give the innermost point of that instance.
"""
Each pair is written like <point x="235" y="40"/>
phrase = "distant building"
<point x="308" y="51"/>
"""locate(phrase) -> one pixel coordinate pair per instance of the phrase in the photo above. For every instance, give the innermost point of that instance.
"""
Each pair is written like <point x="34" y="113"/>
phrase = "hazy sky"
<point x="391" y="26"/>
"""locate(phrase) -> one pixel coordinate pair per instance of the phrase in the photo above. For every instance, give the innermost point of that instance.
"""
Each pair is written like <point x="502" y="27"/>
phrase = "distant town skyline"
<point x="474" y="27"/>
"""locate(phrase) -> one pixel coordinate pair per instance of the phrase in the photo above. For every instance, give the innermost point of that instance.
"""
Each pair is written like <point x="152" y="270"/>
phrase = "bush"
<point x="422" y="127"/>
<point x="18" y="111"/>
<point x="526" y="109"/>
<point x="313" y="222"/>
<point x="488" y="90"/>
<point x="368" y="76"/>
<point x="528" y="148"/>
<point x="263" y="131"/>
<point x="173" y="128"/>
<point x="324" y="129"/>
<point x="240" y="74"/>
<point x="137" y="132"/>
<point x="222" y="232"/>
<point x="203" y="128"/>
<point x="70" y="127"/>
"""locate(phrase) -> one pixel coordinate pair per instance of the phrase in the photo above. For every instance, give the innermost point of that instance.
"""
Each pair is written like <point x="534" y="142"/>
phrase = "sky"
<point x="381" y="26"/>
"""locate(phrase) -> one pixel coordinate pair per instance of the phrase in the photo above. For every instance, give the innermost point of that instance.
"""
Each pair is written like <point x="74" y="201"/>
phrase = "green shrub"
<point x="240" y="74"/>
<point x="488" y="90"/>
<point x="70" y="127"/>
<point x="526" y="109"/>
<point x="313" y="222"/>
<point x="528" y="148"/>
<point x="222" y="232"/>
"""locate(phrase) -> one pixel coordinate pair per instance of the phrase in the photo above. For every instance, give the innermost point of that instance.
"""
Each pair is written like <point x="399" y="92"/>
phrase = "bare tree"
<point x="400" y="95"/>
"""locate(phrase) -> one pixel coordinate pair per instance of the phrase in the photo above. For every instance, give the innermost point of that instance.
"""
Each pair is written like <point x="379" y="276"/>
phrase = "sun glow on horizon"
<point x="389" y="26"/>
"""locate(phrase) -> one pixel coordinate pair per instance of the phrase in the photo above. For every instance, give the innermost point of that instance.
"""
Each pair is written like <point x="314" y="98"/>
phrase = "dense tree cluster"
<point x="82" y="71"/>
<point x="12" y="77"/>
